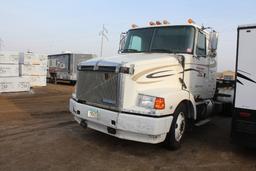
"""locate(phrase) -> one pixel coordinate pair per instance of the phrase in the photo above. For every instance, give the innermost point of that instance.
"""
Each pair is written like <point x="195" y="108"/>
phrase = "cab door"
<point x="200" y="67"/>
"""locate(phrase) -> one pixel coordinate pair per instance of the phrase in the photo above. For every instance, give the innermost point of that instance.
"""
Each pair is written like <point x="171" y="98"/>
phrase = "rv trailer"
<point x="244" y="115"/>
<point x="63" y="67"/>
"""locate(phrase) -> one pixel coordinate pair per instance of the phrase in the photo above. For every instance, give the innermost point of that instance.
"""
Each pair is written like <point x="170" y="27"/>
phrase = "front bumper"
<point x="127" y="126"/>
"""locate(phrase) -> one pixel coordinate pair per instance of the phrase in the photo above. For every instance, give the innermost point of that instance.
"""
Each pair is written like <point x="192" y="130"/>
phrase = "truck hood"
<point x="131" y="59"/>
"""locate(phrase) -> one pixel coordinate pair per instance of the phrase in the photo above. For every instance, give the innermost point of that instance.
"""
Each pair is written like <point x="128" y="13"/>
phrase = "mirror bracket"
<point x="212" y="54"/>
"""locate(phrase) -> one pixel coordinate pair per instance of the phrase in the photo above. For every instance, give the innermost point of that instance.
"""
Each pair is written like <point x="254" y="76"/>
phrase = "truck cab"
<point x="163" y="78"/>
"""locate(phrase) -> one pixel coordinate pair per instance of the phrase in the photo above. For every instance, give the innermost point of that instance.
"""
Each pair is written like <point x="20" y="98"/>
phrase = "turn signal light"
<point x="134" y="26"/>
<point x="158" y="23"/>
<point x="159" y="103"/>
<point x="166" y="22"/>
<point x="244" y="114"/>
<point x="190" y="21"/>
<point x="152" y="23"/>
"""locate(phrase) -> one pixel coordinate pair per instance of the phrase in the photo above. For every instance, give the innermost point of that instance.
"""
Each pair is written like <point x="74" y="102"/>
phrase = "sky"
<point x="54" y="26"/>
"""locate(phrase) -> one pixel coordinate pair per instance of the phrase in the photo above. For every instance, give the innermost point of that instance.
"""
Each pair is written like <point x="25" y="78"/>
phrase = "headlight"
<point x="151" y="102"/>
<point x="75" y="89"/>
<point x="74" y="94"/>
<point x="79" y="67"/>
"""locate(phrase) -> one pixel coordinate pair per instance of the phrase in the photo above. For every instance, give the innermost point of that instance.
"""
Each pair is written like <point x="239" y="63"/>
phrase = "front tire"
<point x="178" y="127"/>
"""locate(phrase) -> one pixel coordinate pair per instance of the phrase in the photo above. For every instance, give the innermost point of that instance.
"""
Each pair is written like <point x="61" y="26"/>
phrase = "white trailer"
<point x="244" y="117"/>
<point x="163" y="78"/>
<point x="63" y="67"/>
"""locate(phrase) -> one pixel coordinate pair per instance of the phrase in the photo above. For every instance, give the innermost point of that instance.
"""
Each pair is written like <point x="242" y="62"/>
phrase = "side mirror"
<point x="213" y="42"/>
<point x="122" y="42"/>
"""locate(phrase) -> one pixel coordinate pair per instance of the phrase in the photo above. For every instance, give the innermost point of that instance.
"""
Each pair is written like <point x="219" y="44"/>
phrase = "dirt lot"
<point x="38" y="133"/>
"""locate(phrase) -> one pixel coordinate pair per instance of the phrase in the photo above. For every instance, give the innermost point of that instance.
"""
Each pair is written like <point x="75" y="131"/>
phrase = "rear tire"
<point x="178" y="127"/>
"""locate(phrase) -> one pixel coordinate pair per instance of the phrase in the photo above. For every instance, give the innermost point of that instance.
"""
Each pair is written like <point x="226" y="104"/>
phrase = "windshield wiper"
<point x="131" y="50"/>
<point x="163" y="51"/>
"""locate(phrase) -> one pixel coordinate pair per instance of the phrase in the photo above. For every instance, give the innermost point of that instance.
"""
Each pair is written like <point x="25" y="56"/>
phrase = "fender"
<point x="193" y="102"/>
<point x="173" y="97"/>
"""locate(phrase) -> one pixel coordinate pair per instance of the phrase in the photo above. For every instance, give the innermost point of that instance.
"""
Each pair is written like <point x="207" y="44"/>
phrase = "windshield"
<point x="173" y="39"/>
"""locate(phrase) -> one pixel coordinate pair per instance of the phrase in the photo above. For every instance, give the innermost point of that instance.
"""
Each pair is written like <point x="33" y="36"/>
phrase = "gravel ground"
<point x="38" y="133"/>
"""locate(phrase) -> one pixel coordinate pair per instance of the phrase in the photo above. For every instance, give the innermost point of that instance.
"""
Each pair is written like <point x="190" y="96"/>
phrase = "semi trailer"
<point x="244" y="116"/>
<point x="62" y="67"/>
<point x="162" y="81"/>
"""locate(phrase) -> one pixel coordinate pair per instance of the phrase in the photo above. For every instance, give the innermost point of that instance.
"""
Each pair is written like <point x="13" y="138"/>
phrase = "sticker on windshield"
<point x="189" y="50"/>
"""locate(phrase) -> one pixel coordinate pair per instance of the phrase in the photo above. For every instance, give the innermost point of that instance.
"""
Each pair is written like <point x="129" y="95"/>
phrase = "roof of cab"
<point x="168" y="25"/>
<point x="165" y="25"/>
<point x="247" y="26"/>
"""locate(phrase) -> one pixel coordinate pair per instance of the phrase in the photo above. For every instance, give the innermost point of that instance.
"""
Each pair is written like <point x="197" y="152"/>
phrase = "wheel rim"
<point x="180" y="126"/>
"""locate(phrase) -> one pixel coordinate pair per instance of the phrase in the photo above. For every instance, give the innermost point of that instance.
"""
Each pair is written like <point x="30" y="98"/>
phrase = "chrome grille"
<point x="98" y="88"/>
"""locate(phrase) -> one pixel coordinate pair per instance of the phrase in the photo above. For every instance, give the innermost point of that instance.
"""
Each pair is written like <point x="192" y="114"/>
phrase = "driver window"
<point x="135" y="43"/>
<point x="201" y="45"/>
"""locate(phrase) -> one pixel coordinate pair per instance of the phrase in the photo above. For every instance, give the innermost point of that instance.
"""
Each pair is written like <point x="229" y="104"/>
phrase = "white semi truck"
<point x="163" y="79"/>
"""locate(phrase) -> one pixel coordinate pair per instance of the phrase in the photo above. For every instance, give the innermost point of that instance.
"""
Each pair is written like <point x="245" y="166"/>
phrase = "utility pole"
<point x="103" y="33"/>
<point x="1" y="44"/>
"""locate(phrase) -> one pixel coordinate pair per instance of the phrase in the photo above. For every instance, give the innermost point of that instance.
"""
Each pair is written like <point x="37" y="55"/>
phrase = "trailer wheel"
<point x="178" y="127"/>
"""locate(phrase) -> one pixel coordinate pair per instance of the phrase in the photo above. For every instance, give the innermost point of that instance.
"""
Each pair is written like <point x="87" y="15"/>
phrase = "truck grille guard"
<point x="101" y="86"/>
<point x="116" y="69"/>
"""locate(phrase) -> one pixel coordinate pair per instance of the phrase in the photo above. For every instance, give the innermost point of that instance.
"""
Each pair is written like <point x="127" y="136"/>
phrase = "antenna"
<point x="103" y="33"/>
<point x="206" y="28"/>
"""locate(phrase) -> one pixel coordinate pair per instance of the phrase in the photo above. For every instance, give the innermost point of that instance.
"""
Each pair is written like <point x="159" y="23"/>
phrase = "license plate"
<point x="92" y="114"/>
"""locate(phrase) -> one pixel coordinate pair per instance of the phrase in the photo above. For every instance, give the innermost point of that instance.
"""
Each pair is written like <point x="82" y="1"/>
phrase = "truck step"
<point x="202" y="122"/>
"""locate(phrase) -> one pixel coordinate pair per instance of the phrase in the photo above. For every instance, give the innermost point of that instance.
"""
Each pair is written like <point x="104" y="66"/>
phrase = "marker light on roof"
<point x="158" y="23"/>
<point x="166" y="22"/>
<point x="190" y="21"/>
<point x="152" y="23"/>
<point x="134" y="26"/>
